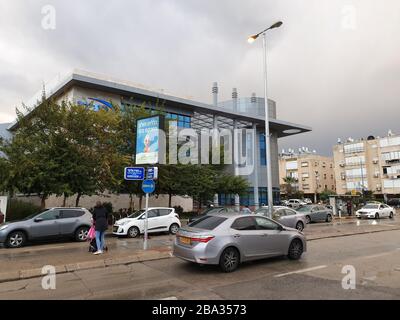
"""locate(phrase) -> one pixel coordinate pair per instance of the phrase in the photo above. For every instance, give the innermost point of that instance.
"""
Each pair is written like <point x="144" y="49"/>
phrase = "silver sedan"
<point x="227" y="240"/>
<point x="286" y="216"/>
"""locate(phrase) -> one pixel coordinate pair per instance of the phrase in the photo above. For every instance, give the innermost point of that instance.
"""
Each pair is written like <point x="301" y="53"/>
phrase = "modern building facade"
<point x="239" y="113"/>
<point x="314" y="173"/>
<point x="372" y="164"/>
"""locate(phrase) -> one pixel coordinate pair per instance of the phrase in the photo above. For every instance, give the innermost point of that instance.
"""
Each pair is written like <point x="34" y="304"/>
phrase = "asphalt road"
<point x="318" y="275"/>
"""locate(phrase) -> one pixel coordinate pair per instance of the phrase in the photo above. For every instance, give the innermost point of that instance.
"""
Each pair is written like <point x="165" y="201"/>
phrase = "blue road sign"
<point x="134" y="173"/>
<point x="148" y="186"/>
<point x="152" y="173"/>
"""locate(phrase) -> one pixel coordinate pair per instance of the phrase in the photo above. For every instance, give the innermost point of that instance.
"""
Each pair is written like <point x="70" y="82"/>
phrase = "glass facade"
<point x="247" y="199"/>
<point x="263" y="147"/>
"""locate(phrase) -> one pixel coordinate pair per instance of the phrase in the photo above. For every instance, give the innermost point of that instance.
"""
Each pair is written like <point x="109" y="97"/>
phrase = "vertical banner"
<point x="3" y="209"/>
<point x="148" y="141"/>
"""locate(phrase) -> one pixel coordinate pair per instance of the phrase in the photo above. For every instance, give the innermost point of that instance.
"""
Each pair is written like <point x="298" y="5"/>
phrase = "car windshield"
<point x="371" y="206"/>
<point x="136" y="214"/>
<point x="304" y="209"/>
<point x="207" y="222"/>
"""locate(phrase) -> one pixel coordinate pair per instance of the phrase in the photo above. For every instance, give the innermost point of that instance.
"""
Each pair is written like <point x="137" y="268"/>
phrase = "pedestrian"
<point x="246" y="210"/>
<point x="349" y="207"/>
<point x="100" y="218"/>
<point x="1" y="217"/>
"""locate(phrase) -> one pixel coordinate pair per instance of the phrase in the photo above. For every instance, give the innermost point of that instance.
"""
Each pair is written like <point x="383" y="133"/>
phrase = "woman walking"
<point x="100" y="218"/>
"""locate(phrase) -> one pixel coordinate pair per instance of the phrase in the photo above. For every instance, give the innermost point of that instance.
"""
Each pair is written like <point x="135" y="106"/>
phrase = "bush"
<point x="18" y="210"/>
<point x="178" y="209"/>
<point x="187" y="215"/>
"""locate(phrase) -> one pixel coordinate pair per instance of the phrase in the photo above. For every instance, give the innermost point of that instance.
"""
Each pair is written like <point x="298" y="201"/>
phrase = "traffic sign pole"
<point x="146" y="221"/>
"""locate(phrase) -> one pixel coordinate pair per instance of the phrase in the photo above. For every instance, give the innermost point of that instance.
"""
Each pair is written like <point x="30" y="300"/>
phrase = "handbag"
<point x="91" y="233"/>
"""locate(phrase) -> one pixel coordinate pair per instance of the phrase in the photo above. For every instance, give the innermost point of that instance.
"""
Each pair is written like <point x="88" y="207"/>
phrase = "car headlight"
<point x="3" y="227"/>
<point x="121" y="223"/>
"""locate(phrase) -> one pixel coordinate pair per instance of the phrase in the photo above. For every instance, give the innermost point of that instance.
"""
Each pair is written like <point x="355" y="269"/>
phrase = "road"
<point x="318" y="275"/>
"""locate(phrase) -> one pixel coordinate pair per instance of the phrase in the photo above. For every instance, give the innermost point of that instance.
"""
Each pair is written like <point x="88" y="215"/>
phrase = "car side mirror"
<point x="38" y="219"/>
<point x="280" y="228"/>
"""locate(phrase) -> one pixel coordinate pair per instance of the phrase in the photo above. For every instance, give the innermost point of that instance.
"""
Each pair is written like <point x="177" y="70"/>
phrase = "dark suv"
<point x="53" y="223"/>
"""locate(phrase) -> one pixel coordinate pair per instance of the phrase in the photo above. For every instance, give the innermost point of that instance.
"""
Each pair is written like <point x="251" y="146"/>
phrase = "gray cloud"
<point x="342" y="82"/>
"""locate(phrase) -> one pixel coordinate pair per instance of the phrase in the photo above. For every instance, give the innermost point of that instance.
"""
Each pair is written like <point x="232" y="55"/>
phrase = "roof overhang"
<point x="87" y="80"/>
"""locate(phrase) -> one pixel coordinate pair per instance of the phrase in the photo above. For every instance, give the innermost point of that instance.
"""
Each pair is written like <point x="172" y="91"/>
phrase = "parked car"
<point x="307" y="201"/>
<point x="284" y="203"/>
<point x="228" y="240"/>
<point x="210" y="211"/>
<point x="286" y="216"/>
<point x="160" y="219"/>
<point x="53" y="223"/>
<point x="315" y="213"/>
<point x="376" y="211"/>
<point x="394" y="202"/>
<point x="295" y="203"/>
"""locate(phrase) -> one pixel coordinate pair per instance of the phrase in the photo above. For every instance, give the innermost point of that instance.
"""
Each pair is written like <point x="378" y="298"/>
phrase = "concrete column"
<point x="236" y="145"/>
<point x="215" y="127"/>
<point x="255" y="163"/>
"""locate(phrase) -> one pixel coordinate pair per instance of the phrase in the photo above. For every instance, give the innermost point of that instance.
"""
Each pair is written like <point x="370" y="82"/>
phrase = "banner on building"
<point x="3" y="209"/>
<point x="148" y="141"/>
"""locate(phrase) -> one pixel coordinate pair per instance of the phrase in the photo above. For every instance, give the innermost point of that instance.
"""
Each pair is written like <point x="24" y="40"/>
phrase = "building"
<point x="240" y="113"/>
<point x="372" y="164"/>
<point x="314" y="173"/>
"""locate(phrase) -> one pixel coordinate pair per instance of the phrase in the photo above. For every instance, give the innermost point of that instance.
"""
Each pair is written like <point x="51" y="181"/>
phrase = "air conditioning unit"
<point x="343" y="177"/>
<point x="341" y="164"/>
<point x="375" y="161"/>
<point x="378" y="189"/>
<point x="376" y="175"/>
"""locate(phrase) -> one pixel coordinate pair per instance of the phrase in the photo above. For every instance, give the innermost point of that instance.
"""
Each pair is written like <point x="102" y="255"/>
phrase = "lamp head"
<point x="251" y="39"/>
<point x="276" y="25"/>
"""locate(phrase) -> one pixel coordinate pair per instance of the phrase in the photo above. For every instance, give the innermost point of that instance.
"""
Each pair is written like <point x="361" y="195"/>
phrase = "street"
<point x="318" y="275"/>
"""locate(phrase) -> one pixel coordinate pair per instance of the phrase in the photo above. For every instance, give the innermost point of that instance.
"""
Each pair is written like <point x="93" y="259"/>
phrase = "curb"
<point x="86" y="265"/>
<point x="350" y="234"/>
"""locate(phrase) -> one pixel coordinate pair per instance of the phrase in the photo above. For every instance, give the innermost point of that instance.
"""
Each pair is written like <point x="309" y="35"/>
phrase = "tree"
<point x="289" y="185"/>
<point x="324" y="195"/>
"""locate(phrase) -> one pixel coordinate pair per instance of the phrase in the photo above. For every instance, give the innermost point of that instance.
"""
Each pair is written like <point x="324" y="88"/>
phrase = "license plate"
<point x="184" y="240"/>
<point x="115" y="229"/>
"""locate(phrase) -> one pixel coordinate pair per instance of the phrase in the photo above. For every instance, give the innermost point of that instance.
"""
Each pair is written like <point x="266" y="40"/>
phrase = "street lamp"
<point x="251" y="39"/>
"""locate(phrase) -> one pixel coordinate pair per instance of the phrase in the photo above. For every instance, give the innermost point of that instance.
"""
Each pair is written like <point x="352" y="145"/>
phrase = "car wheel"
<point x="173" y="229"/>
<point x="16" y="239"/>
<point x="295" y="249"/>
<point x="391" y="215"/>
<point x="300" y="226"/>
<point x="328" y="218"/>
<point x="229" y="260"/>
<point x="133" y="232"/>
<point x="81" y="234"/>
<point x="376" y="215"/>
<point x="308" y="219"/>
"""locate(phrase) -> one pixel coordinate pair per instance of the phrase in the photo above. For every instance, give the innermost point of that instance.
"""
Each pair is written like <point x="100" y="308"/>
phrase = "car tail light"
<point x="203" y="239"/>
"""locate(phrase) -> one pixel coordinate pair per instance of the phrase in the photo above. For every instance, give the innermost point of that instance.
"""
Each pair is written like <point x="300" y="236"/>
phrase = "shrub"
<point x="18" y="210"/>
<point x="178" y="209"/>
<point x="108" y="206"/>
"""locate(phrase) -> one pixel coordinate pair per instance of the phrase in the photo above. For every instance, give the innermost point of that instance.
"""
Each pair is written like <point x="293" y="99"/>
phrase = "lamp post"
<point x="267" y="134"/>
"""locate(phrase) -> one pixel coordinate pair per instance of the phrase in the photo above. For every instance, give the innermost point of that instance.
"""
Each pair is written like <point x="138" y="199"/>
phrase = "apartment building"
<point x="314" y="173"/>
<point x="372" y="164"/>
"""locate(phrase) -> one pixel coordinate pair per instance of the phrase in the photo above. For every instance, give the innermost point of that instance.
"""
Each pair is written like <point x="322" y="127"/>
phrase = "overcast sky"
<point x="334" y="65"/>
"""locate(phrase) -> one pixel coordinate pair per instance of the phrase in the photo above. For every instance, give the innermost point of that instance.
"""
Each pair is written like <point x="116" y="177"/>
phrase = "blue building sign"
<point x="134" y="173"/>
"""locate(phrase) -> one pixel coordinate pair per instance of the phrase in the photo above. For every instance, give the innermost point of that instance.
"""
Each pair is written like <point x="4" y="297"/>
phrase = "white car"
<point x="160" y="219"/>
<point x="375" y="210"/>
<point x="295" y="203"/>
<point x="307" y="200"/>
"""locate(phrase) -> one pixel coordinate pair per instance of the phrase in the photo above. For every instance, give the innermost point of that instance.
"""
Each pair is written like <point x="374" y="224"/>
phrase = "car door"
<point x="290" y="218"/>
<point x="273" y="241"/>
<point x="248" y="238"/>
<point x="165" y="219"/>
<point x="46" y="225"/>
<point x="154" y="224"/>
<point x="385" y="210"/>
<point x="279" y="215"/>
<point x="69" y="220"/>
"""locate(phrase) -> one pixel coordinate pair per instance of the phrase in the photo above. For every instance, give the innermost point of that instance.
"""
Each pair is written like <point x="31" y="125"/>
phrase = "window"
<point x="207" y="222"/>
<point x="305" y="175"/>
<point x="304" y="164"/>
<point x="50" y="215"/>
<point x="354" y="147"/>
<point x="152" y="214"/>
<point x="182" y="120"/>
<point x="351" y="161"/>
<point x="164" y="212"/>
<point x="356" y="173"/>
<point x="389" y="141"/>
<point x="390" y="156"/>
<point x="324" y="175"/>
<point x="65" y="214"/>
<point x="263" y="159"/>
<point x="291" y="165"/>
<point x="266" y="224"/>
<point x="290" y="212"/>
<point x="246" y="223"/>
